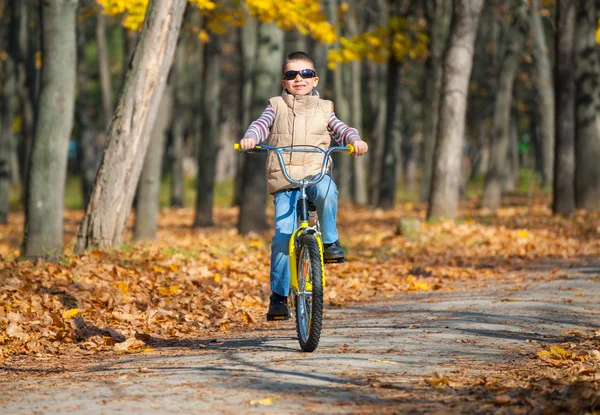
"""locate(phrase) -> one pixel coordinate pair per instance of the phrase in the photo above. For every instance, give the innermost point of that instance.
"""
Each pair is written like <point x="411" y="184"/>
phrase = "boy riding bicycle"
<point x="299" y="117"/>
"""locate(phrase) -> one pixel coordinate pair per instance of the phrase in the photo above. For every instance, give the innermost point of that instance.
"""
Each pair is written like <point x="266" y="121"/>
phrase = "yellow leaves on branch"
<point x="304" y="15"/>
<point x="399" y="37"/>
<point x="135" y="10"/>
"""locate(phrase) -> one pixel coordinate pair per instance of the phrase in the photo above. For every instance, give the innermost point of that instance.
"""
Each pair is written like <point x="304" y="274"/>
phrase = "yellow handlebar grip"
<point x="350" y="148"/>
<point x="236" y="146"/>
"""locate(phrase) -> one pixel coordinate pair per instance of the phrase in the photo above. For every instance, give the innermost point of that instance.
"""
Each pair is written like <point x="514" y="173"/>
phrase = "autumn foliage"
<point x="191" y="283"/>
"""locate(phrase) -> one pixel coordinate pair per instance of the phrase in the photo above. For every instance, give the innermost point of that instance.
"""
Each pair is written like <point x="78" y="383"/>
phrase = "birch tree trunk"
<point x="207" y="150"/>
<point x="545" y="93"/>
<point x="7" y="105"/>
<point x="587" y="126"/>
<point x="103" y="225"/>
<point x="497" y="173"/>
<point x="439" y="24"/>
<point x="458" y="62"/>
<point x="147" y="200"/>
<point x="563" y="199"/>
<point x="266" y="77"/>
<point x="43" y="235"/>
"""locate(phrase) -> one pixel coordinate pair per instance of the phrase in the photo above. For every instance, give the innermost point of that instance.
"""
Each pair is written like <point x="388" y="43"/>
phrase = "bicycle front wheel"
<point x="309" y="298"/>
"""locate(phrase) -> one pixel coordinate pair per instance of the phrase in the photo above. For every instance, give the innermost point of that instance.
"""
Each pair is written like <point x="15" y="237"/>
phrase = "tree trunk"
<point x="563" y="200"/>
<point x="248" y="46"/>
<point x="266" y="77"/>
<point x="295" y="41"/>
<point x="439" y="24"/>
<point x="498" y="167"/>
<point x="587" y="127"/>
<point x="89" y="151"/>
<point x="545" y="93"/>
<point x="387" y="185"/>
<point x="376" y="97"/>
<point x="147" y="200"/>
<point x="28" y="89"/>
<point x="341" y="163"/>
<point x="458" y="62"/>
<point x="207" y="150"/>
<point x="43" y="236"/>
<point x="103" y="225"/>
<point x="7" y="110"/>
<point x="512" y="165"/>
<point x="377" y="106"/>
<point x="104" y="70"/>
<point x="359" y="164"/>
<point x="178" y="126"/>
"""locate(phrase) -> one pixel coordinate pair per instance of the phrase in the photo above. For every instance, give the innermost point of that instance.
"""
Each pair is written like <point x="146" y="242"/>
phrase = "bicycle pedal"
<point x="278" y="318"/>
<point x="335" y="261"/>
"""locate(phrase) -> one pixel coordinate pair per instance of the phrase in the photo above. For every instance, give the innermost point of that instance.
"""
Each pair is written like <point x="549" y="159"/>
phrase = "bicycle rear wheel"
<point x="309" y="302"/>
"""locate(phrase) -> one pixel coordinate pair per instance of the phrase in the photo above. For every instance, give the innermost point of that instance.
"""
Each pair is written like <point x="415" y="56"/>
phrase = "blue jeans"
<point x="324" y="195"/>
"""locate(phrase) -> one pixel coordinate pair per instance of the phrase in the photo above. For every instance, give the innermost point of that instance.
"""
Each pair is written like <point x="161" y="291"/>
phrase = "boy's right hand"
<point x="247" y="143"/>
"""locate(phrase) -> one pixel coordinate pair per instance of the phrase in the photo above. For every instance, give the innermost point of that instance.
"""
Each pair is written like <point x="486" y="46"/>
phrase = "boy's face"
<point x="299" y="85"/>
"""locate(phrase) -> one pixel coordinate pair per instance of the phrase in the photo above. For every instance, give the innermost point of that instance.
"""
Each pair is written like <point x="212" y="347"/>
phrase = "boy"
<point x="298" y="117"/>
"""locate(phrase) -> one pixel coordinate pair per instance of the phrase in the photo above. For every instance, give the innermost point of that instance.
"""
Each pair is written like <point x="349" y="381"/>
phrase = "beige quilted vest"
<point x="298" y="120"/>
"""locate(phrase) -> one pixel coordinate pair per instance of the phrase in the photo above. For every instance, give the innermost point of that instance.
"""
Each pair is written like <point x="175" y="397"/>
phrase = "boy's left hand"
<point x="360" y="147"/>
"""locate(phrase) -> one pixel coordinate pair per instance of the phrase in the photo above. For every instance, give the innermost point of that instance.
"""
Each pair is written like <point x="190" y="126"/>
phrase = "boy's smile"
<point x="299" y="85"/>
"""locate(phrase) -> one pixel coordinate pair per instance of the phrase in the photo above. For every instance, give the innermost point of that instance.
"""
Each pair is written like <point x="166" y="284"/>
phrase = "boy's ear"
<point x="316" y="81"/>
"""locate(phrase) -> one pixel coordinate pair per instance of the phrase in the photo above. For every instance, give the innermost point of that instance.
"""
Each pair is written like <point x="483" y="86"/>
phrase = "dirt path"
<point x="380" y="357"/>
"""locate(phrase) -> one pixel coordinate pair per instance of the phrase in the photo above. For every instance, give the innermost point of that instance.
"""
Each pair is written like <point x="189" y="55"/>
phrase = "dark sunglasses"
<point x="304" y="73"/>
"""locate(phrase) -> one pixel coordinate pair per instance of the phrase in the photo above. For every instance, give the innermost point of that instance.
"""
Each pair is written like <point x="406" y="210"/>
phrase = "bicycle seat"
<point x="311" y="207"/>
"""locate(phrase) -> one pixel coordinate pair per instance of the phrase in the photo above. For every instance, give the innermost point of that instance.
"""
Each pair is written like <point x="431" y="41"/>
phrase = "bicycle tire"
<point x="309" y="308"/>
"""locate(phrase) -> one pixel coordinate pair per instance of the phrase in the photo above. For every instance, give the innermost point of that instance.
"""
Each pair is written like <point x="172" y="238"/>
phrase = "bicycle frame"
<point x="303" y="226"/>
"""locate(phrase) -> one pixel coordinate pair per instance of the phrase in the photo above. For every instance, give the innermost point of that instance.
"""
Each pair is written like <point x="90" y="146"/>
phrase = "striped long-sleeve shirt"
<point x="340" y="132"/>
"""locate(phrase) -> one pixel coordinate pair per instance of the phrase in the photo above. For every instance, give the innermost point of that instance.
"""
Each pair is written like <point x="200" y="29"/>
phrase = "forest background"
<point x="447" y="94"/>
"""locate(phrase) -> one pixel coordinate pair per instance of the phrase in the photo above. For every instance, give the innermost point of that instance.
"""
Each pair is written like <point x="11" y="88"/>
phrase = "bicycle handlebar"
<point x="279" y="150"/>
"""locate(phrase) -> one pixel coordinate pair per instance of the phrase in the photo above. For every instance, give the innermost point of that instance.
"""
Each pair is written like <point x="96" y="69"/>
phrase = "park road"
<point x="407" y="354"/>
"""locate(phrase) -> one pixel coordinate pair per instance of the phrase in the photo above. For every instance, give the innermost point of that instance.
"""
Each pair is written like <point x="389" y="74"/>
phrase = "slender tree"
<point x="180" y="122"/>
<point x="499" y="168"/>
<point x="103" y="225"/>
<point x="359" y="194"/>
<point x="104" y="70"/>
<point x="544" y="92"/>
<point x="207" y="150"/>
<point x="439" y="13"/>
<point x="89" y="148"/>
<point x="8" y="79"/>
<point x="43" y="236"/>
<point x="147" y="200"/>
<point x="587" y="127"/>
<point x="387" y="186"/>
<point x="563" y="198"/>
<point x="266" y="77"/>
<point x="458" y="62"/>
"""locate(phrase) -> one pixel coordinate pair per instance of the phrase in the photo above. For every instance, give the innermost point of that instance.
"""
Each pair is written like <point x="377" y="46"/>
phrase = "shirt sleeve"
<point x="259" y="130"/>
<point x="340" y="132"/>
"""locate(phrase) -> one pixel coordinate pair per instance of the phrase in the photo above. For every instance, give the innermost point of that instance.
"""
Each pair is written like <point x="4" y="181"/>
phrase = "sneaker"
<point x="278" y="309"/>
<point x="333" y="252"/>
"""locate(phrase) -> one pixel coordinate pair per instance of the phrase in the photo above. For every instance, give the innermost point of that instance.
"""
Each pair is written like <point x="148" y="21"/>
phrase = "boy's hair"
<point x="297" y="56"/>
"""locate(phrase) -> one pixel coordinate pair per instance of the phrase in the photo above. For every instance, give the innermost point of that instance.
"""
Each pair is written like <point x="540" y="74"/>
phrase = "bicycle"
<point x="307" y="276"/>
